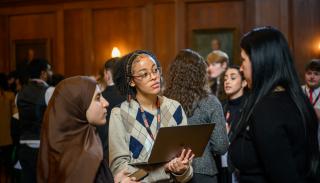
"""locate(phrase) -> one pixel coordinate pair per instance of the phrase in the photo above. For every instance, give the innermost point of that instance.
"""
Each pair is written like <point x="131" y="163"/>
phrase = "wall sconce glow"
<point x="115" y="52"/>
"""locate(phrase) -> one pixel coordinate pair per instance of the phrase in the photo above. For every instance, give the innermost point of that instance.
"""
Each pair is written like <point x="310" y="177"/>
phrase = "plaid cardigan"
<point x="129" y="141"/>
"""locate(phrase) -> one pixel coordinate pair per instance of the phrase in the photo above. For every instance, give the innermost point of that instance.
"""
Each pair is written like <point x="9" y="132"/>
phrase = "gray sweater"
<point x="209" y="110"/>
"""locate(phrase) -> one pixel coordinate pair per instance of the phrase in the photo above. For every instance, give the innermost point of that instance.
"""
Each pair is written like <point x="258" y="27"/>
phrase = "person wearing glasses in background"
<point x="134" y="124"/>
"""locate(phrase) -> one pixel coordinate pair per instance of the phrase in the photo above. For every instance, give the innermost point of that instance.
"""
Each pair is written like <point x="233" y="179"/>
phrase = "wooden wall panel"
<point x="83" y="33"/>
<point x="74" y="43"/>
<point x="121" y="27"/>
<point x="273" y="13"/>
<point x="59" y="61"/>
<point x="306" y="32"/>
<point x="34" y="26"/>
<point x="164" y="34"/>
<point x="4" y="41"/>
<point x="216" y="15"/>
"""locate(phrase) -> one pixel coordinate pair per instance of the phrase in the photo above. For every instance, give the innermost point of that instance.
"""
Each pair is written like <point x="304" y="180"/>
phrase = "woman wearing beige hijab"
<point x="70" y="149"/>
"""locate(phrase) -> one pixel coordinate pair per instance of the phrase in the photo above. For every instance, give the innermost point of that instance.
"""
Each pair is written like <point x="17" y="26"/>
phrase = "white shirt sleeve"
<point x="48" y="94"/>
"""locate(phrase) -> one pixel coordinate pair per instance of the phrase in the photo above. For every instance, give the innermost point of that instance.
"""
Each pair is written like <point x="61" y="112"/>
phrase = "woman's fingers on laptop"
<point x="177" y="166"/>
<point x="191" y="158"/>
<point x="188" y="156"/>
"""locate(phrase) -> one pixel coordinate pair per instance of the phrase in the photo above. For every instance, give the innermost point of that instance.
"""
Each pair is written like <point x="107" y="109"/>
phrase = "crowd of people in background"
<point x="87" y="129"/>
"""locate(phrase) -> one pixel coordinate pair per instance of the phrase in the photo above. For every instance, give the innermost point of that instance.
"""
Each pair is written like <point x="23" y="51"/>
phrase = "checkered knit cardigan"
<point x="130" y="142"/>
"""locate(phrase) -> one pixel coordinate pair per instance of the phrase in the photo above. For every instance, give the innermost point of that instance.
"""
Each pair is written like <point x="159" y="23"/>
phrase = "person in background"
<point x="11" y="79"/>
<point x="101" y="79"/>
<point x="187" y="83"/>
<point x="134" y="124"/>
<point x="7" y="109"/>
<point x="113" y="96"/>
<point x="312" y="87"/>
<point x="31" y="105"/>
<point x="234" y="87"/>
<point x="54" y="81"/>
<point x="275" y="140"/>
<point x="218" y="62"/>
<point x="70" y="149"/>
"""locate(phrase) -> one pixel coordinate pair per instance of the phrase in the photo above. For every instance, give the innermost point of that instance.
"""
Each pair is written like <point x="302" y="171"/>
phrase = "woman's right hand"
<point x="180" y="164"/>
<point x="123" y="177"/>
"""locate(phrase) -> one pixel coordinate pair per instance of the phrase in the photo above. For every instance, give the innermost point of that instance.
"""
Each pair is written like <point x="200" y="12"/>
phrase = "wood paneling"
<point x="4" y="42"/>
<point x="216" y="15"/>
<point x="273" y="13"/>
<point x="164" y="33"/>
<point x="32" y="26"/>
<point x="35" y="26"/>
<point x="306" y="32"/>
<point x="82" y="33"/>
<point x="121" y="27"/>
<point x="59" y="61"/>
<point x="74" y="43"/>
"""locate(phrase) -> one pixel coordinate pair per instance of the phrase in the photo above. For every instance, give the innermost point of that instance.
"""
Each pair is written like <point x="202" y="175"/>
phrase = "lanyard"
<point x="317" y="98"/>
<point x="145" y="121"/>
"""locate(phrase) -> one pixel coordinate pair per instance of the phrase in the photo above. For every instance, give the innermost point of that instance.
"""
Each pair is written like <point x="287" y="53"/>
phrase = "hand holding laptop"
<point x="124" y="177"/>
<point x="180" y="164"/>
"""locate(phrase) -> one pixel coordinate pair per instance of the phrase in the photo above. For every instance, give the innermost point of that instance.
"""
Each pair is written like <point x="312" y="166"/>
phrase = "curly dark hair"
<point x="187" y="80"/>
<point x="123" y="72"/>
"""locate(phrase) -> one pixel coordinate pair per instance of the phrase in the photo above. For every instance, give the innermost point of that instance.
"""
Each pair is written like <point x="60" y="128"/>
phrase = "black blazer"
<point x="272" y="148"/>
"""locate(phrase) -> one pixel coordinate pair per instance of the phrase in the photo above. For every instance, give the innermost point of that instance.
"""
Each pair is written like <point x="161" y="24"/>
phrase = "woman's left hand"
<point x="180" y="164"/>
<point x="123" y="177"/>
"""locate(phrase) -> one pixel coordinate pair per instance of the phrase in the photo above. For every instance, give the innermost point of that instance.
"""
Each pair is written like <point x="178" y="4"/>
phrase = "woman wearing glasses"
<point x="135" y="123"/>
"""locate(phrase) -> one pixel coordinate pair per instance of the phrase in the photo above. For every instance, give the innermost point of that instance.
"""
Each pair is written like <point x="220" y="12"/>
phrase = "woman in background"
<point x="234" y="87"/>
<point x="187" y="83"/>
<point x="218" y="62"/>
<point x="276" y="138"/>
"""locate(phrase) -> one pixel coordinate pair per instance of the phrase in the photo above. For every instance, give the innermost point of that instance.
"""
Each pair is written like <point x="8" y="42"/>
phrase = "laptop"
<point x="171" y="140"/>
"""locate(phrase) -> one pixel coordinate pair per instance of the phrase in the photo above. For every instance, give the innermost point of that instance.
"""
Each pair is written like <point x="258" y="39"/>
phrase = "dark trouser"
<point x="6" y="162"/>
<point x="224" y="176"/>
<point x="201" y="178"/>
<point x="28" y="160"/>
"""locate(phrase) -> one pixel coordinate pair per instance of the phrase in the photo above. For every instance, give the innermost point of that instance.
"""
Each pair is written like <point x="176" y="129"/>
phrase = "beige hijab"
<point x="70" y="149"/>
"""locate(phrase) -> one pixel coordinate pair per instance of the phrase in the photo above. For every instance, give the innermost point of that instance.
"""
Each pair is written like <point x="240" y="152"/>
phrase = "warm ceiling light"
<point x="115" y="52"/>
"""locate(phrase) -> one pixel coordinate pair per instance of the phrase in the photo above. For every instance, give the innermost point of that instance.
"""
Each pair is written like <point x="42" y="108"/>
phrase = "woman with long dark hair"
<point x="276" y="138"/>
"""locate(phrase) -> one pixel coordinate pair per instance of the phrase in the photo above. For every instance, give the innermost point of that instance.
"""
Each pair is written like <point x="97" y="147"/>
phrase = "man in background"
<point x="31" y="106"/>
<point x="113" y="96"/>
<point x="312" y="86"/>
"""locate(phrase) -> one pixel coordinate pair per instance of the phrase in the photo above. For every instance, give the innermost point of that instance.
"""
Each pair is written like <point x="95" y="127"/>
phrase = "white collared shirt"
<point x="315" y="95"/>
